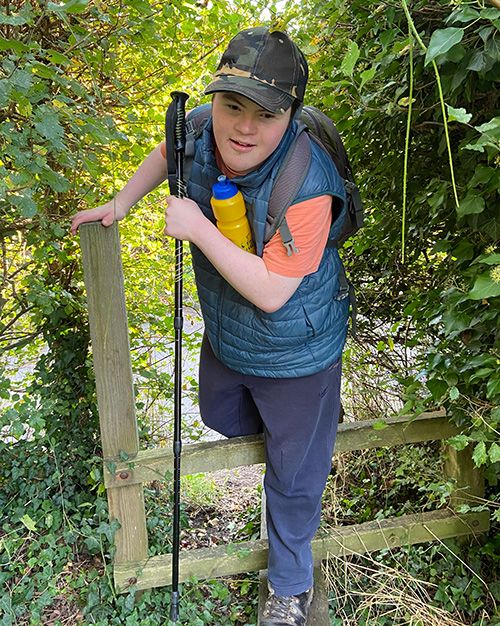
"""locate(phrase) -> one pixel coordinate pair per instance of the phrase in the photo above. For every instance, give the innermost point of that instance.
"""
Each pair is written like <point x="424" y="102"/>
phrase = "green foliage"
<point x="83" y="90"/>
<point x="382" y="483"/>
<point x="439" y="307"/>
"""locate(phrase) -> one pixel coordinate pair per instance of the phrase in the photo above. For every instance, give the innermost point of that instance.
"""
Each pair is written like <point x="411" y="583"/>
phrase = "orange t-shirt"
<point x="308" y="221"/>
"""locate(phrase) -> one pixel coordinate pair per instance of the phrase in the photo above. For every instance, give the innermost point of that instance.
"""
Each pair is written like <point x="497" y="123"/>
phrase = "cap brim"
<point x="266" y="96"/>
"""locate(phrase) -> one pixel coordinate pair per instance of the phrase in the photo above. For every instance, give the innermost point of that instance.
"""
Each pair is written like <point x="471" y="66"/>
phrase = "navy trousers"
<point x="299" y="418"/>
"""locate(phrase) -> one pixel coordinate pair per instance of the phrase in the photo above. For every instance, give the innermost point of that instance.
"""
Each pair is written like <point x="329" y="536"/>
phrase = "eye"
<point x="232" y="107"/>
<point x="266" y="116"/>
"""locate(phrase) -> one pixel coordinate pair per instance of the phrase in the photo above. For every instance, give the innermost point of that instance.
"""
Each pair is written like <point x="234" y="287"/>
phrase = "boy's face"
<point x="245" y="133"/>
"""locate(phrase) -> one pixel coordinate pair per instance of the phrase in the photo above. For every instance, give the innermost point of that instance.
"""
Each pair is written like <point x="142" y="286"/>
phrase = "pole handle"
<point x="179" y="98"/>
<point x="175" y="141"/>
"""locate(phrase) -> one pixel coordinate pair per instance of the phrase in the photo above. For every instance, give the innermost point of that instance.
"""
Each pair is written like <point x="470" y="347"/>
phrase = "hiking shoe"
<point x="286" y="610"/>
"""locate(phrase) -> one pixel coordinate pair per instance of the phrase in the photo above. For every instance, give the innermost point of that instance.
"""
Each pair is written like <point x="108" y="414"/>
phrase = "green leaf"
<point x="458" y="115"/>
<point x="459" y="442"/>
<point x="494" y="452"/>
<point x="479" y="455"/>
<point x="493" y="388"/>
<point x="366" y="76"/>
<point x="437" y="388"/>
<point x="405" y="102"/>
<point x="471" y="204"/>
<point x="492" y="49"/>
<point x="441" y="41"/>
<point x="454" y="393"/>
<point x="13" y="44"/>
<point x="48" y="126"/>
<point x="464" y="251"/>
<point x="485" y="33"/>
<point x="349" y="60"/>
<point x="488" y="259"/>
<point x="465" y="14"/>
<point x="57" y="57"/>
<point x="25" y="16"/>
<point x="55" y="180"/>
<point x="379" y="425"/>
<point x="490" y="136"/>
<point x="492" y="127"/>
<point x="482" y="372"/>
<point x="28" y="522"/>
<point x="71" y="6"/>
<point x="24" y="202"/>
<point x="479" y="145"/>
<point x="44" y="71"/>
<point x="484" y="287"/>
<point x="489" y="14"/>
<point x="482" y="175"/>
<point x="24" y="106"/>
<point x="477" y="62"/>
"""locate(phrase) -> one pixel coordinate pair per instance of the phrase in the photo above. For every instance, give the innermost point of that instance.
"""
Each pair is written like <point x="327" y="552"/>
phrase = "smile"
<point x="239" y="145"/>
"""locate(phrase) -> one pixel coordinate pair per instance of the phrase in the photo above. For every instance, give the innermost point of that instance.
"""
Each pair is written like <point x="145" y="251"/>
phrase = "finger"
<point x="108" y="220"/>
<point x="75" y="222"/>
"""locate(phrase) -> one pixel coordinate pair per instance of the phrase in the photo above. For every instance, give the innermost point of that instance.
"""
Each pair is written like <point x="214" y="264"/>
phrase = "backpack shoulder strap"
<point x="289" y="180"/>
<point x="324" y="131"/>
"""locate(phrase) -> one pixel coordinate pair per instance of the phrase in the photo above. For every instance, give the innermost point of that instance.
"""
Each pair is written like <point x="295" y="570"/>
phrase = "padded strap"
<point x="289" y="180"/>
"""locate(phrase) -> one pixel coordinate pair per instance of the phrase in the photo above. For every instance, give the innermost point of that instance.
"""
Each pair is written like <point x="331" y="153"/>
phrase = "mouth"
<point x="241" y="145"/>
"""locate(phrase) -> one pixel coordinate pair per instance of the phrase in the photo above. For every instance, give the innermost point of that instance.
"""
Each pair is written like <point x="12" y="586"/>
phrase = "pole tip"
<point x="174" y="607"/>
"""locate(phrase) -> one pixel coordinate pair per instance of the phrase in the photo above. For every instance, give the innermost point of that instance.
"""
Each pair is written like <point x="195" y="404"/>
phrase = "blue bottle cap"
<point x="224" y="188"/>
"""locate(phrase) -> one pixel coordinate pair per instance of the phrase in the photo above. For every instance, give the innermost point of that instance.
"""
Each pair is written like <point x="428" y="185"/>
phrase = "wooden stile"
<point x="126" y="468"/>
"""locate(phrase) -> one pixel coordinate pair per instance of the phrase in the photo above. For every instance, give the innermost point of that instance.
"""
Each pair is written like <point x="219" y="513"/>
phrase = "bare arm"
<point x="246" y="272"/>
<point x="149" y="175"/>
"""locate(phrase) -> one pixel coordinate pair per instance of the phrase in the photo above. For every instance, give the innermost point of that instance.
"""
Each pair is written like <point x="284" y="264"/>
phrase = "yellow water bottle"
<point x="230" y="212"/>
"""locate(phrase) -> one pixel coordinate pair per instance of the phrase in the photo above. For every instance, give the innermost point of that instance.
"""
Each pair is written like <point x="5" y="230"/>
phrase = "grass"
<point x="368" y="592"/>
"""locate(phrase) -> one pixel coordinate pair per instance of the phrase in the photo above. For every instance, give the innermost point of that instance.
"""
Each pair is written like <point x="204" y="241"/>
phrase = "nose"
<point x="246" y="123"/>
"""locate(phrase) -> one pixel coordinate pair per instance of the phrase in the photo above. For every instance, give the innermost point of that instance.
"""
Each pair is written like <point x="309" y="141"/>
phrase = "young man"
<point x="275" y="325"/>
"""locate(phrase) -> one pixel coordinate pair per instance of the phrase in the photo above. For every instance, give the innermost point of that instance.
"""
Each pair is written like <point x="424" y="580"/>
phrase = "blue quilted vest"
<point x="307" y="334"/>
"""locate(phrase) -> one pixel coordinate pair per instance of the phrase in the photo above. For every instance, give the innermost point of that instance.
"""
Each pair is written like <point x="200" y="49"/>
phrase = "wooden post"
<point x="103" y="277"/>
<point x="468" y="479"/>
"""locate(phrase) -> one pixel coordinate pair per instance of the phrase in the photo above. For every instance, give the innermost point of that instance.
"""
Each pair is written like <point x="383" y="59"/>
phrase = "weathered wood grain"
<point x="252" y="555"/>
<point x="103" y="277"/>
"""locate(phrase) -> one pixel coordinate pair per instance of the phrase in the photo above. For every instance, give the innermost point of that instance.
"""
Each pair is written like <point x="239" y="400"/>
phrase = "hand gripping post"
<point x="175" y="142"/>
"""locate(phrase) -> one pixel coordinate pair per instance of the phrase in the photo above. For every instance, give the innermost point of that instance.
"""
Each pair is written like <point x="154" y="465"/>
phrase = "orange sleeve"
<point x="309" y="223"/>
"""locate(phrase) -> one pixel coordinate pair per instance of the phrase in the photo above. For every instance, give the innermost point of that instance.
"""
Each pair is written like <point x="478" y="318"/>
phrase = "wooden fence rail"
<point x="127" y="468"/>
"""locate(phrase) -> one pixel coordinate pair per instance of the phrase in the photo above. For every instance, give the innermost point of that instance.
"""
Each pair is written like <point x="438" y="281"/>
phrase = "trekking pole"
<point x="175" y="142"/>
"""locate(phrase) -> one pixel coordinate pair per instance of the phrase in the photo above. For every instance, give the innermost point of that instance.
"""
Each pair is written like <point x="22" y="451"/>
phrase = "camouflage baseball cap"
<point x="265" y="66"/>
